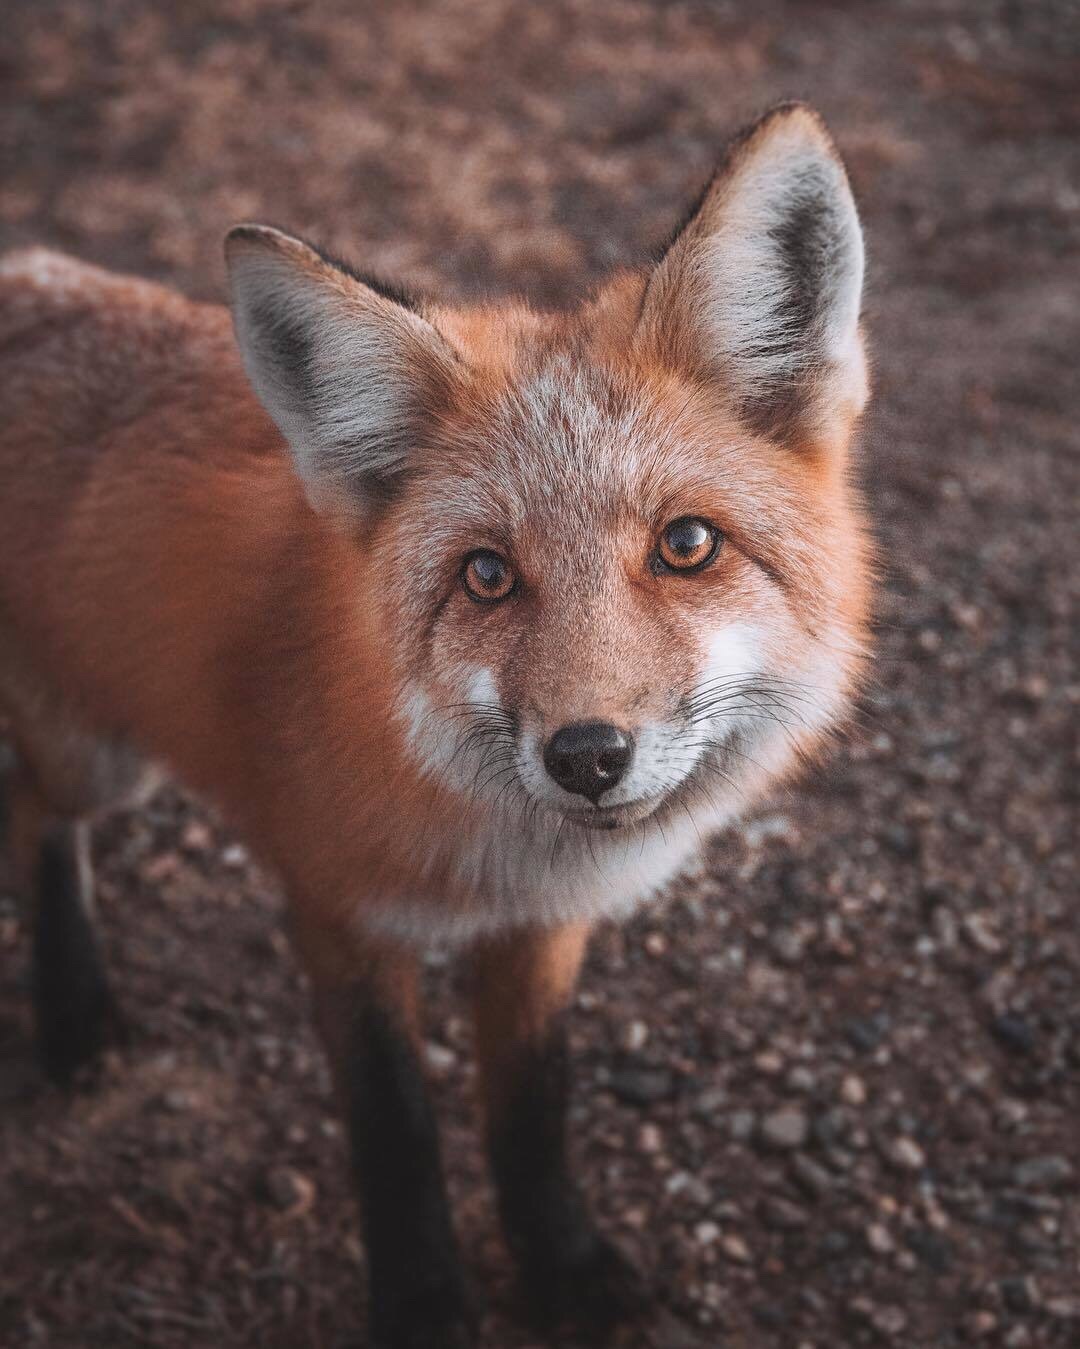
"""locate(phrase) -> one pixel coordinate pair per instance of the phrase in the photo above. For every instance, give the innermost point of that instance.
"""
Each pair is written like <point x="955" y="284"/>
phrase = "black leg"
<point x="418" y="1298"/>
<point x="571" y="1272"/>
<point x="71" y="995"/>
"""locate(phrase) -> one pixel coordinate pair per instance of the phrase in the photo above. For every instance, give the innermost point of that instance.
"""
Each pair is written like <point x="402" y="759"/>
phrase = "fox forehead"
<point x="568" y="445"/>
<point x="568" y="439"/>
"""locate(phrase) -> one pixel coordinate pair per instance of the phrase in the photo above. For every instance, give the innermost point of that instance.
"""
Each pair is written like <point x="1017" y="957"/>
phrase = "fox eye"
<point x="688" y="544"/>
<point x="487" y="576"/>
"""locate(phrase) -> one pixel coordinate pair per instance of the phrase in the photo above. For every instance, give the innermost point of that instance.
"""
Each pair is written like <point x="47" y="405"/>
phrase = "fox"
<point x="472" y="621"/>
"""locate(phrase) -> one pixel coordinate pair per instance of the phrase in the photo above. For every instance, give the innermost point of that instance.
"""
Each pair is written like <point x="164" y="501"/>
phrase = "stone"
<point x="853" y="1090"/>
<point x="1048" y="1172"/>
<point x="905" y="1153"/>
<point x="812" y="1179"/>
<point x="642" y="1086"/>
<point x="287" y="1190"/>
<point x="1019" y="1294"/>
<point x="1013" y="1033"/>
<point x="736" y="1249"/>
<point x="781" y="1214"/>
<point x="636" y="1036"/>
<point x="741" y="1125"/>
<point x="785" y="1129"/>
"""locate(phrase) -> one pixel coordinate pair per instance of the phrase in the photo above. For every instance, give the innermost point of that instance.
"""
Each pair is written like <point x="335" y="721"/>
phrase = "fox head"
<point x="614" y="554"/>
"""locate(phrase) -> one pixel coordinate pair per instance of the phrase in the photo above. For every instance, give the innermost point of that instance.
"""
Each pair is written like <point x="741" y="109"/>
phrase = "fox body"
<point x="472" y="620"/>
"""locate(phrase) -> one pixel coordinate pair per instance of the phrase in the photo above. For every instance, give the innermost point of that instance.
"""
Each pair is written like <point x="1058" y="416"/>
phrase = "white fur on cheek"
<point x="435" y="736"/>
<point x="482" y="689"/>
<point x="734" y="655"/>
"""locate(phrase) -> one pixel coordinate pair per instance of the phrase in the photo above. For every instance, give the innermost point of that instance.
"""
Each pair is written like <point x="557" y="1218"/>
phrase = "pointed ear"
<point x="349" y="371"/>
<point x="760" y="289"/>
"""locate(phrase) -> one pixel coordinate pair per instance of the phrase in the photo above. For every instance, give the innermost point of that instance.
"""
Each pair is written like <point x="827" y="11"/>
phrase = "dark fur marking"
<point x="70" y="991"/>
<point x="807" y="241"/>
<point x="571" y="1272"/>
<point x="389" y="290"/>
<point x="417" y="1292"/>
<point x="291" y="347"/>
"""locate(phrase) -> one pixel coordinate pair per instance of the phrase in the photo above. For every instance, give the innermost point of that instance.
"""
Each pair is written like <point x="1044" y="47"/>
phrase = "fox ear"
<point x="346" y="368"/>
<point x="760" y="289"/>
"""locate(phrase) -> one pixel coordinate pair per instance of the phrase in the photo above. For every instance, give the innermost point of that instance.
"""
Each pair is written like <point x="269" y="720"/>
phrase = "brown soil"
<point x="891" y="956"/>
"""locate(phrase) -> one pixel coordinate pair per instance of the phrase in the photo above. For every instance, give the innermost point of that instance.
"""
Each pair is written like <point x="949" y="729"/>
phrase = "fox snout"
<point x="588" y="758"/>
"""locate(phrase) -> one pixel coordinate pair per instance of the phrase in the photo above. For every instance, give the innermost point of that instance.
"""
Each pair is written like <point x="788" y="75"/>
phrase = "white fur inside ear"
<point x="782" y="277"/>
<point x="767" y="277"/>
<point x="336" y="365"/>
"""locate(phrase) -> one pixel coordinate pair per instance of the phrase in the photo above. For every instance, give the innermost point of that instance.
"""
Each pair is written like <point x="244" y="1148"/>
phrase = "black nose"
<point x="588" y="757"/>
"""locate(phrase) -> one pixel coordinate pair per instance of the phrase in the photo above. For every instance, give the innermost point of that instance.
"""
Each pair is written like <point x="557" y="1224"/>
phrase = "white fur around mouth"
<point x="614" y="817"/>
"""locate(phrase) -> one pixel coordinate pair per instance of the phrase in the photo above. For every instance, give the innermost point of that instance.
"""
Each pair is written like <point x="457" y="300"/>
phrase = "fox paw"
<point x="595" y="1291"/>
<point x="431" y="1319"/>
<point x="72" y="1034"/>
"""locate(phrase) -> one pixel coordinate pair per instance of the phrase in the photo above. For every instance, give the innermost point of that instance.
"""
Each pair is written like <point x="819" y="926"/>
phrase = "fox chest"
<point x="503" y="882"/>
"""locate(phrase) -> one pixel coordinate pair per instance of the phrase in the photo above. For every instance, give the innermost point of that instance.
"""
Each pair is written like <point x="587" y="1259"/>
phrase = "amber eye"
<point x="487" y="576"/>
<point x="688" y="543"/>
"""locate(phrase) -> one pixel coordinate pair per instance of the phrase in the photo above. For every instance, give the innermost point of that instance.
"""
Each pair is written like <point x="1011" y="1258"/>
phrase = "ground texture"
<point x="829" y="1097"/>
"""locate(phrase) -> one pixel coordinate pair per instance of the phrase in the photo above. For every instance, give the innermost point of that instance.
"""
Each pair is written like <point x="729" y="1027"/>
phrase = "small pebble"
<point x="735" y="1248"/>
<point x="1013" y="1033"/>
<point x="287" y="1189"/>
<point x="768" y="1062"/>
<point x="635" y="1036"/>
<point x="180" y="1100"/>
<point x="781" y="1214"/>
<point x="802" y="1079"/>
<point x="650" y="1139"/>
<point x="785" y="1129"/>
<point x="1020" y="1295"/>
<point x="853" y="1090"/>
<point x="907" y="1154"/>
<point x="439" y="1058"/>
<point x="1047" y="1172"/>
<point x="690" y="1186"/>
<point x="741" y="1125"/>
<point x="710" y="1101"/>
<point x="642" y="1086"/>
<point x="235" y="856"/>
<point x="867" y="1033"/>
<point x="812" y="1179"/>
<point x="980" y="1324"/>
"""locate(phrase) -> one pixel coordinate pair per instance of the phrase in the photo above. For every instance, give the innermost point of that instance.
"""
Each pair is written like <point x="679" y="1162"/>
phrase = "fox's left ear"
<point x="351" y="371"/>
<point x="760" y="289"/>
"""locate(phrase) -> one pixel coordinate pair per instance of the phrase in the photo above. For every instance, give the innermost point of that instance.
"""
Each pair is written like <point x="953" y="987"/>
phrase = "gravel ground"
<point x="830" y="1095"/>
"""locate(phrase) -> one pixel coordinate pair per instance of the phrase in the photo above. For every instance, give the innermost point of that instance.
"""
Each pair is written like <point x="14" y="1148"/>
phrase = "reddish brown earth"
<point x="890" y="957"/>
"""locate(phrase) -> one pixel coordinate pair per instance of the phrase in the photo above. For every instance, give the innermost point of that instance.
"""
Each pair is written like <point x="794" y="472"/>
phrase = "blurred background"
<point x="830" y="1096"/>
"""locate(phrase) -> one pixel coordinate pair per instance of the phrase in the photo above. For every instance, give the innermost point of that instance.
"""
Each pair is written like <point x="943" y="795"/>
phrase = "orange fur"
<point x="168" y="584"/>
<point x="280" y="616"/>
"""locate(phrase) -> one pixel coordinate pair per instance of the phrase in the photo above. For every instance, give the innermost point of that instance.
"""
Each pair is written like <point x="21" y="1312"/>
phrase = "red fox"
<point x="470" y="619"/>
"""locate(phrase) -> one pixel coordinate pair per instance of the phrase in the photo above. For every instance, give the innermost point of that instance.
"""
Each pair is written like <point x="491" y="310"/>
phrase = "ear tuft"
<point x="761" y="287"/>
<point x="346" y="368"/>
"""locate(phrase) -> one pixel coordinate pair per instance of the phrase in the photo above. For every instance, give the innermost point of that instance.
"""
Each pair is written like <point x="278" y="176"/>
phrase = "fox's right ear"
<point x="759" y="292"/>
<point x="347" y="369"/>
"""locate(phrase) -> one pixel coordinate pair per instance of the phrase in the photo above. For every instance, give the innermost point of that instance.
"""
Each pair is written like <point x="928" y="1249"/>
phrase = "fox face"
<point x="617" y="619"/>
<point x="617" y="568"/>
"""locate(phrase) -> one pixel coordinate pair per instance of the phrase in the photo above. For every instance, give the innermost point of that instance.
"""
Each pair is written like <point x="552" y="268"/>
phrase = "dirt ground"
<point x="881" y="972"/>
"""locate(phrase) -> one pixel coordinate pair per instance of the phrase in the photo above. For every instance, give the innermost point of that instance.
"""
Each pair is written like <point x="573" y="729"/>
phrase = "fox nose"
<point x="588" y="757"/>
